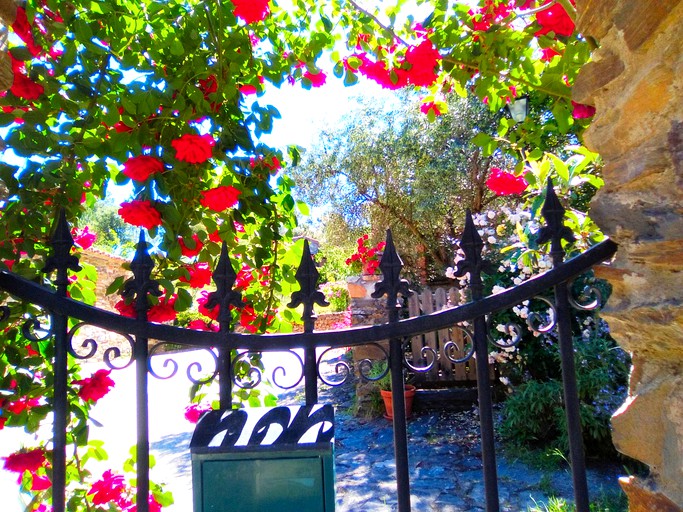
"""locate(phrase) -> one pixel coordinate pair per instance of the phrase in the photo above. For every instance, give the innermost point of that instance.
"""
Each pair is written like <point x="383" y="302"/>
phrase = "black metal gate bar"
<point x="62" y="309"/>
<point x="555" y="231"/>
<point x="61" y="261"/>
<point x="39" y="295"/>
<point x="139" y="288"/>
<point x="392" y="285"/>
<point x="472" y="245"/>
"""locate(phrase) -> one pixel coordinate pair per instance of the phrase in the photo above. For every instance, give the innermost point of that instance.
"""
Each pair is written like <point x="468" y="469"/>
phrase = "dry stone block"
<point x="642" y="19"/>
<point x="596" y="74"/>
<point x="643" y="498"/>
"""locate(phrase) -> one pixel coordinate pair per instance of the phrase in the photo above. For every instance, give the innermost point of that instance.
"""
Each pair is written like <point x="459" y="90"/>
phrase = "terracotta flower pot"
<point x="389" y="407"/>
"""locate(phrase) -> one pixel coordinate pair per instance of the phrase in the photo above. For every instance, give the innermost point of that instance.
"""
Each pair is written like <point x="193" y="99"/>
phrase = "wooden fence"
<point x="444" y="372"/>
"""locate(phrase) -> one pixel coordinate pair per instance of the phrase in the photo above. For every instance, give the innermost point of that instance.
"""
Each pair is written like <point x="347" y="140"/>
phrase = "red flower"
<point x="220" y="198"/>
<point x="24" y="87"/>
<point x="95" y="387"/>
<point x="317" y="80"/>
<point x="20" y="462"/>
<point x="581" y="111"/>
<point x="141" y="167"/>
<point x="208" y="85"/>
<point x="555" y="19"/>
<point x="244" y="277"/>
<point x="425" y="108"/>
<point x="140" y="213"/>
<point x="23" y="404"/>
<point x="109" y="488"/>
<point x="84" y="238"/>
<point x="547" y="54"/>
<point x="125" y="309"/>
<point x="248" y="319"/>
<point x="186" y="251"/>
<point x="251" y="10"/>
<point x="194" y="149"/>
<point x="272" y="165"/>
<point x="195" y="411"/>
<point x="215" y="237"/>
<point x="505" y="183"/>
<point x="201" y="301"/>
<point x="164" y="311"/>
<point x="200" y="275"/>
<point x="22" y="29"/>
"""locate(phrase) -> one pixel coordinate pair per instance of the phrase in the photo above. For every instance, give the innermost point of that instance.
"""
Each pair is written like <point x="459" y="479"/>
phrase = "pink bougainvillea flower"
<point x="248" y="89"/>
<point x="194" y="412"/>
<point x="425" y="108"/>
<point x="95" y="387"/>
<point x="244" y="277"/>
<point x="84" y="238"/>
<point x="40" y="483"/>
<point x="109" y="488"/>
<point x="248" y="319"/>
<point x="581" y="111"/>
<point x="220" y="198"/>
<point x="186" y="251"/>
<point x="504" y="183"/>
<point x="201" y="325"/>
<point x="215" y="237"/>
<point x="30" y="461"/>
<point x="251" y="11"/>
<point x="555" y="19"/>
<point x="423" y="59"/>
<point x="200" y="275"/>
<point x="317" y="79"/>
<point x="547" y="54"/>
<point x="140" y="213"/>
<point x="141" y="167"/>
<point x="194" y="149"/>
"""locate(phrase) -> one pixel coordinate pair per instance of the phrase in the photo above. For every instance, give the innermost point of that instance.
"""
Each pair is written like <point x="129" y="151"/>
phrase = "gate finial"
<point x="224" y="276"/>
<point x="472" y="245"/>
<point x="61" y="259"/>
<point x="391" y="266"/>
<point x="554" y="231"/>
<point x="307" y="276"/>
<point x="141" y="284"/>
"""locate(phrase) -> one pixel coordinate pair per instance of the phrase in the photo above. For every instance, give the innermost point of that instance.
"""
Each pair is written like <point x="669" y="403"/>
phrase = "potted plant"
<point x="384" y="384"/>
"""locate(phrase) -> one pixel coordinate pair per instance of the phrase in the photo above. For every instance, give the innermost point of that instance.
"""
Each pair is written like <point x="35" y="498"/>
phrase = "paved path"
<point x="444" y="455"/>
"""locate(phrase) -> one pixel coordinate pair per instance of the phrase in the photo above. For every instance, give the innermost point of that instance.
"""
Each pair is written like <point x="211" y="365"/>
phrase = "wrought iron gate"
<point x="469" y="319"/>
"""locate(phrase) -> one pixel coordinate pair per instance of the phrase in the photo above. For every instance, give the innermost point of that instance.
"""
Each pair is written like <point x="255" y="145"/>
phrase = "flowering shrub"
<point x="337" y="294"/>
<point x="529" y="370"/>
<point x="366" y="259"/>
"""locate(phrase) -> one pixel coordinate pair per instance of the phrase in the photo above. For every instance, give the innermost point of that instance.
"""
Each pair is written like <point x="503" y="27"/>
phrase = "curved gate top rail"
<point x="34" y="293"/>
<point x="223" y="344"/>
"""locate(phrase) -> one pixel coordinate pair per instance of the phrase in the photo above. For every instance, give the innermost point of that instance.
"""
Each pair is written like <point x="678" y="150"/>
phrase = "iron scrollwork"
<point x="109" y="355"/>
<point x="341" y="368"/>
<point x="193" y="368"/>
<point x="451" y="346"/>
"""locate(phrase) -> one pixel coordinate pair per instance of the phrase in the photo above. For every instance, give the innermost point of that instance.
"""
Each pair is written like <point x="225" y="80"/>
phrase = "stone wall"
<point x="8" y="12"/>
<point x="635" y="83"/>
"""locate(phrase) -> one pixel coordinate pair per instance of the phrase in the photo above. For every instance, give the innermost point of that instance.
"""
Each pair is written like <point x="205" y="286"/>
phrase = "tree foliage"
<point x="387" y="166"/>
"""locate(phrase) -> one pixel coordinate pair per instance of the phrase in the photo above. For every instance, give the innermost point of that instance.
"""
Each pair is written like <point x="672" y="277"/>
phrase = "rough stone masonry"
<point x="635" y="83"/>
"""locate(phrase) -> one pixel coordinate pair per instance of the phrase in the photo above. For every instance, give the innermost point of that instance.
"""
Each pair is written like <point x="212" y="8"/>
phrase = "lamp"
<point x="519" y="108"/>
